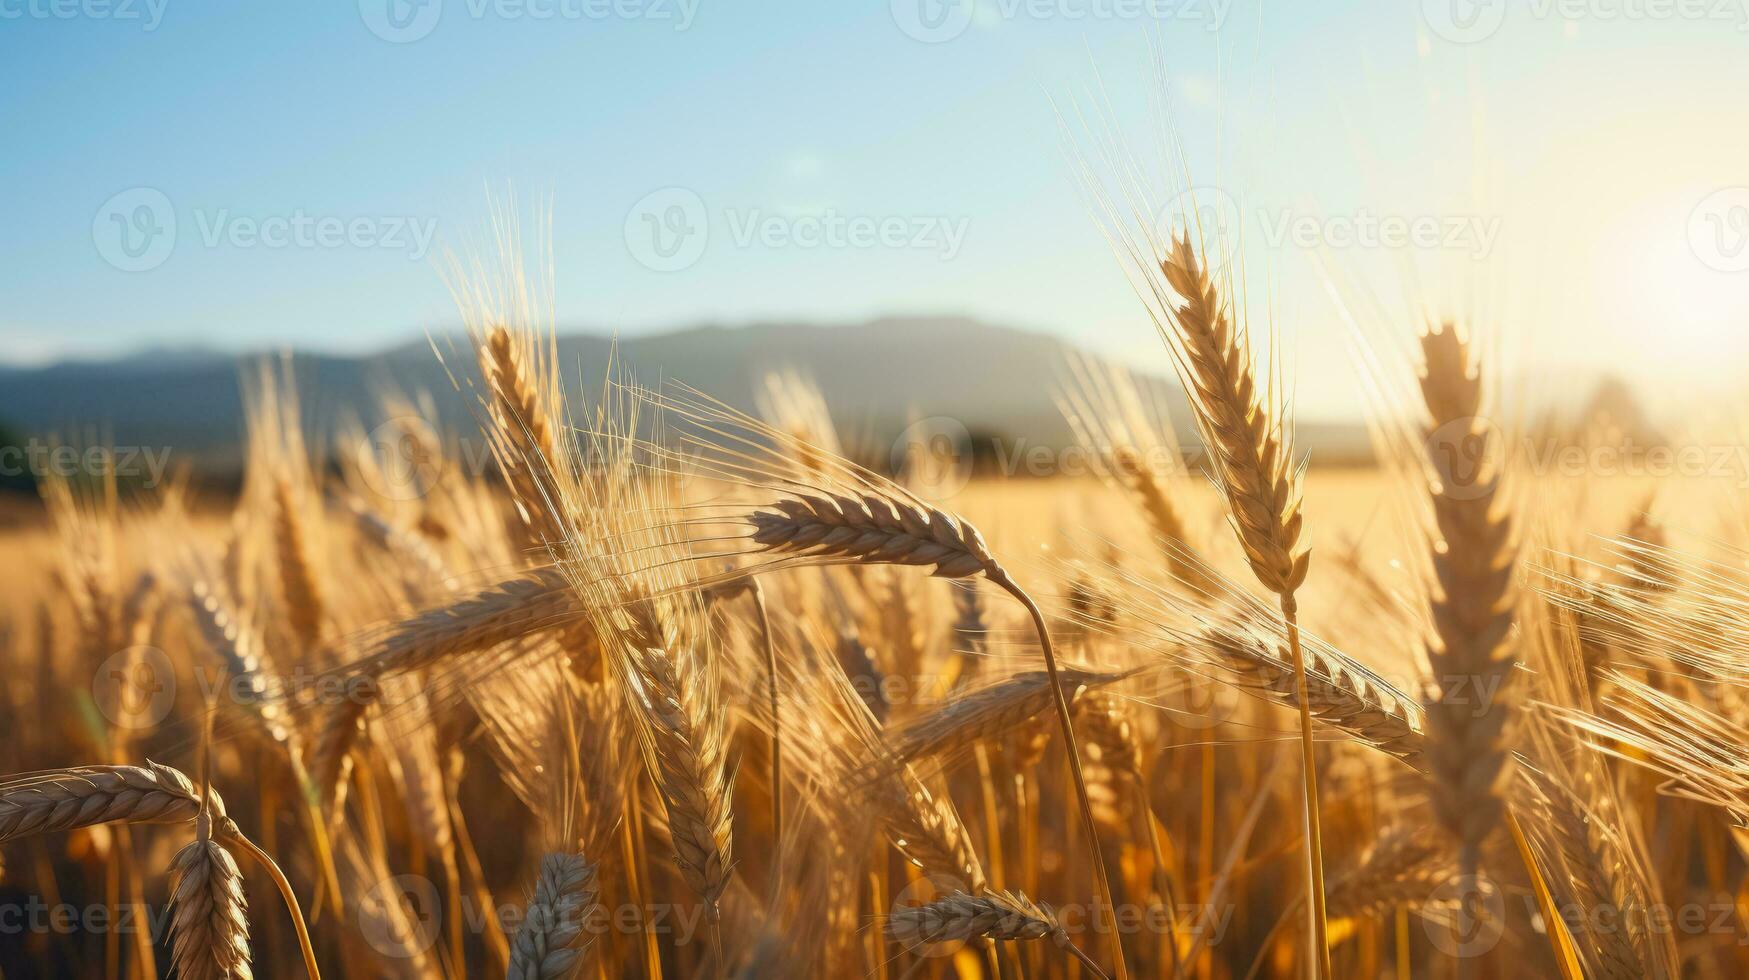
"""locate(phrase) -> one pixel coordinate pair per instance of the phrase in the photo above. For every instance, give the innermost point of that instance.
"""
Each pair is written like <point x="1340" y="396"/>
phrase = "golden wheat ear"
<point x="209" y="930"/>
<point x="846" y="514"/>
<point x="67" y="799"/>
<point x="1474" y="561"/>
<point x="1003" y="916"/>
<point x="550" y="944"/>
<point x="1249" y="438"/>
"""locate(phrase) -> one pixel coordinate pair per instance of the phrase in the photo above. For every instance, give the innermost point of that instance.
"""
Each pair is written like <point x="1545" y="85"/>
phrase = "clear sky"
<point x="250" y="174"/>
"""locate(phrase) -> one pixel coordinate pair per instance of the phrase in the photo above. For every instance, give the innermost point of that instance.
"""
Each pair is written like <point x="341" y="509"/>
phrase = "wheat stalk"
<point x="208" y="927"/>
<point x="987" y="712"/>
<point x="66" y="799"/>
<point x="1003" y="916"/>
<point x="1596" y="873"/>
<point x="550" y="943"/>
<point x="497" y="614"/>
<point x="525" y="406"/>
<point x="239" y="649"/>
<point x="884" y="525"/>
<point x="1250" y="444"/>
<point x="1107" y="720"/>
<point x="1149" y="490"/>
<point x="871" y="528"/>
<point x="927" y="829"/>
<point x="1339" y="692"/>
<point x="1473" y="564"/>
<point x="684" y="741"/>
<point x="306" y="609"/>
<point x="1403" y="868"/>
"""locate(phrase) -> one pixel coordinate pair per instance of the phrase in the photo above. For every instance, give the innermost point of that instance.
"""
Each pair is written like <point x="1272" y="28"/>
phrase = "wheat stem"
<point x="776" y="729"/>
<point x="285" y="890"/>
<point x="1000" y="578"/>
<point x="1309" y="775"/>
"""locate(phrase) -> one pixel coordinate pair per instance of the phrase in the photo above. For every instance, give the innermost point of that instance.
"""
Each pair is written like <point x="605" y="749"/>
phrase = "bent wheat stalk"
<point x="986" y="712"/>
<point x="67" y="799"/>
<point x="501" y="612"/>
<point x="873" y="526"/>
<point x="1339" y="692"/>
<point x="229" y="832"/>
<point x="1003" y="916"/>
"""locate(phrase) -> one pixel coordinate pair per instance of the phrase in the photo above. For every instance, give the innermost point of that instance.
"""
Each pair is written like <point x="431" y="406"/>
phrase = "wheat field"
<point x="673" y="690"/>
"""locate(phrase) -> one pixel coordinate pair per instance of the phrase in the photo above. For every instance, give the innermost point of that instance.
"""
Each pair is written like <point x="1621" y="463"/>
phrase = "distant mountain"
<point x="876" y="376"/>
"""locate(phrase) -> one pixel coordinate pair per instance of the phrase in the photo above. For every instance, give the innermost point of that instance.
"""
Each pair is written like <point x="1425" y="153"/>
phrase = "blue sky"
<point x="849" y="160"/>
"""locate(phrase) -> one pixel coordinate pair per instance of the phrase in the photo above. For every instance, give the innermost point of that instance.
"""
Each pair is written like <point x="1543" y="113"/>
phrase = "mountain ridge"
<point x="877" y="375"/>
